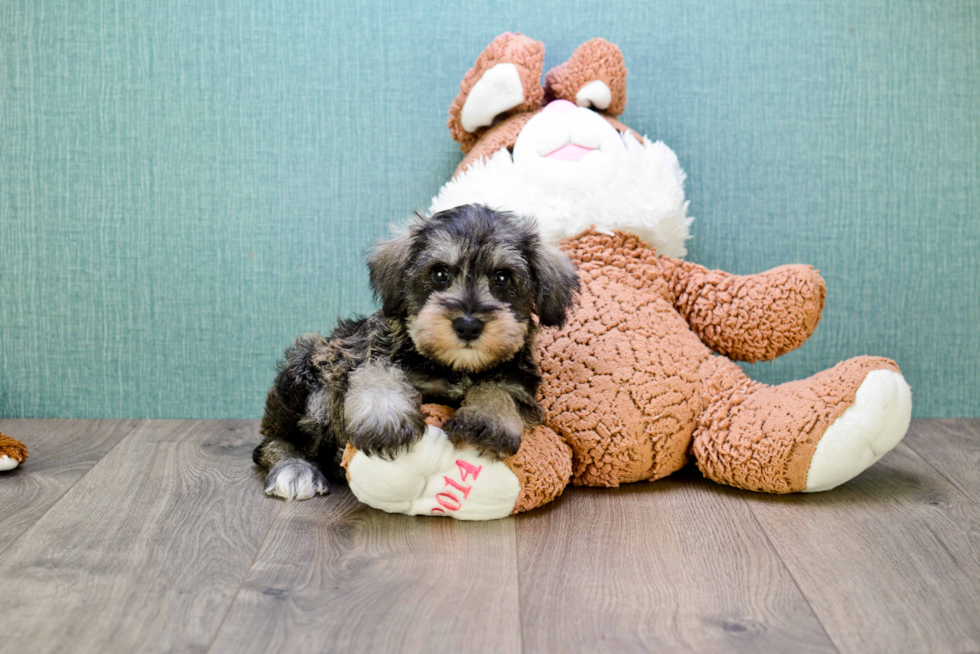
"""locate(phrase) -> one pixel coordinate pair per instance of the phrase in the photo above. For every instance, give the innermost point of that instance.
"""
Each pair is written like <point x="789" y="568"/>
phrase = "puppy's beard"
<point x="433" y="335"/>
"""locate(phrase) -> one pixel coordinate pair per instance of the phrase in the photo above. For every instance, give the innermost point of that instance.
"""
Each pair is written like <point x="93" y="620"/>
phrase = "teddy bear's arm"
<point x="747" y="317"/>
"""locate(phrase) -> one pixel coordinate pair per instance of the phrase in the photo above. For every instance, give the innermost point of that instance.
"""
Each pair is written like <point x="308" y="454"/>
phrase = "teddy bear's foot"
<point x="506" y="77"/>
<point x="868" y="429"/>
<point x="8" y="462"/>
<point x="432" y="477"/>
<point x="807" y="435"/>
<point x="12" y="453"/>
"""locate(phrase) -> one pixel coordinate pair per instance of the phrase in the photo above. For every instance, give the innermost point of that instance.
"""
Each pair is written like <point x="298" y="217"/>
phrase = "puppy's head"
<point x="466" y="282"/>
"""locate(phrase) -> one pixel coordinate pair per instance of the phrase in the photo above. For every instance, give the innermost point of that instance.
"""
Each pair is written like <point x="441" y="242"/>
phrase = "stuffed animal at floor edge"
<point x="643" y="376"/>
<point x="12" y="452"/>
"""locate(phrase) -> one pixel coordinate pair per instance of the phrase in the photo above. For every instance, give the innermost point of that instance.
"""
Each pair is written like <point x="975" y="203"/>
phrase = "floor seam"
<point x="939" y="472"/>
<point x="517" y="573"/>
<point x="248" y="571"/>
<point x="789" y="571"/>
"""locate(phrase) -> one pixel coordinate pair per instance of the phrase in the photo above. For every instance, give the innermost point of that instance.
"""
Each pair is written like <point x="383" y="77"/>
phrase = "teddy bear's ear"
<point x="505" y="78"/>
<point x="595" y="78"/>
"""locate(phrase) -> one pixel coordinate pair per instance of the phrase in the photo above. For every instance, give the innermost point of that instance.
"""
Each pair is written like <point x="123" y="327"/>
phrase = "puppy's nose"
<point x="468" y="328"/>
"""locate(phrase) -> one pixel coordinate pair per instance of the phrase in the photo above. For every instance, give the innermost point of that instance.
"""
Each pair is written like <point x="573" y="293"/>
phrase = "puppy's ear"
<point x="387" y="260"/>
<point x="557" y="284"/>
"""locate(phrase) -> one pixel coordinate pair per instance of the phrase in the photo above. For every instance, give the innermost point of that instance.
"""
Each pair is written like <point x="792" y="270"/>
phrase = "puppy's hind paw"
<point x="295" y="479"/>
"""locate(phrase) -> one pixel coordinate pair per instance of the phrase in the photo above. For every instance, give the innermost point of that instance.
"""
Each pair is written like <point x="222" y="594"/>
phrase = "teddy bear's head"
<point x="558" y="152"/>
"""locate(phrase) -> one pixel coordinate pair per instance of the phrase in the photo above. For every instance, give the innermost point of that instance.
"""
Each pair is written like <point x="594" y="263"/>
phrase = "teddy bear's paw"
<point x="8" y="462"/>
<point x="432" y="477"/>
<point x="865" y="432"/>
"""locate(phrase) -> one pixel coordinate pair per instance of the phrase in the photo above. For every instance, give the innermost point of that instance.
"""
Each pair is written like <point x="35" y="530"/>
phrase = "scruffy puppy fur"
<point x="458" y="290"/>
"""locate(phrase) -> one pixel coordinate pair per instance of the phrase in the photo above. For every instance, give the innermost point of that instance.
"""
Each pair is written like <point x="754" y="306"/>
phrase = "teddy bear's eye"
<point x="440" y="275"/>
<point x="501" y="278"/>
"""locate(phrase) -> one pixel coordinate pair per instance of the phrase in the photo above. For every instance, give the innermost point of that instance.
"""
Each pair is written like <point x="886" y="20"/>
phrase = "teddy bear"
<point x="642" y="379"/>
<point x="12" y="452"/>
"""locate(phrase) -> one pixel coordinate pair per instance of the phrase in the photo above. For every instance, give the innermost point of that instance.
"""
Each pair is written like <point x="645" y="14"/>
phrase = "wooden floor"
<point x="129" y="536"/>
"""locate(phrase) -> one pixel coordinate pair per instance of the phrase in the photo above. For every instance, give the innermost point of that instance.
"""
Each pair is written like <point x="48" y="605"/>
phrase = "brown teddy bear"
<point x="642" y="378"/>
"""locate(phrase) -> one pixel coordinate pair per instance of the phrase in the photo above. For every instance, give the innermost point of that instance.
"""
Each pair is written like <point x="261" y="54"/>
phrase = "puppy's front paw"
<point x="492" y="436"/>
<point x="385" y="435"/>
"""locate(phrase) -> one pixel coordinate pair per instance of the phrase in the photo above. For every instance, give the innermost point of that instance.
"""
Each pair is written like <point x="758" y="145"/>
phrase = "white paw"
<point x="8" y="463"/>
<point x="868" y="429"/>
<point x="435" y="478"/>
<point x="295" y="479"/>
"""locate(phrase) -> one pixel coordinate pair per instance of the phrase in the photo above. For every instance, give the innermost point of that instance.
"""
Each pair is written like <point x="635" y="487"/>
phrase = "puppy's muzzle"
<point x="468" y="328"/>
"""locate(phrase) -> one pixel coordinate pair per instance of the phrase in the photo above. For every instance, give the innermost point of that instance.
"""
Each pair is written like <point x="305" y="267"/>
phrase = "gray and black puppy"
<point x="458" y="290"/>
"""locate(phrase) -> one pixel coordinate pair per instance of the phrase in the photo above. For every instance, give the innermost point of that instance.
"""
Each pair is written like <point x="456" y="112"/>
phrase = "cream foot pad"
<point x="435" y="478"/>
<point x="870" y="428"/>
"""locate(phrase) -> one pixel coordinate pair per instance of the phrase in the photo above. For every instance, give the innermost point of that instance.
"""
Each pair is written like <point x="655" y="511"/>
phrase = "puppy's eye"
<point x="501" y="278"/>
<point x="440" y="275"/>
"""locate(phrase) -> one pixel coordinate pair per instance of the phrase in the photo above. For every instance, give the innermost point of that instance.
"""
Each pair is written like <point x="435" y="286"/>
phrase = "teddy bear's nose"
<point x="468" y="328"/>
<point x="559" y="107"/>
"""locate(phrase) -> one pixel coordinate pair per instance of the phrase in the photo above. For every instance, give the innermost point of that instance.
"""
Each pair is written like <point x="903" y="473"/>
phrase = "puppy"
<point x="458" y="290"/>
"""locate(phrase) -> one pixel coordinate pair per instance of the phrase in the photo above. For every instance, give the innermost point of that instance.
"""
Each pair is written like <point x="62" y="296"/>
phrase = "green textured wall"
<point x="187" y="185"/>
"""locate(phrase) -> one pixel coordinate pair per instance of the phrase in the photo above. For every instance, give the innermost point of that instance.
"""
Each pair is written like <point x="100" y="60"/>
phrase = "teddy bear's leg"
<point x="803" y="436"/>
<point x="12" y="452"/>
<point x="433" y="477"/>
<point x="506" y="77"/>
<point x="594" y="77"/>
<point x="543" y="467"/>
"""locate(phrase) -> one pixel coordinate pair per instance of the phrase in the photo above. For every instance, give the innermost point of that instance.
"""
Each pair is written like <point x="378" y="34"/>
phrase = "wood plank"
<point x="675" y="565"/>
<point x="147" y="551"/>
<point x="337" y="576"/>
<point x="890" y="561"/>
<point x="952" y="447"/>
<point x="60" y="453"/>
